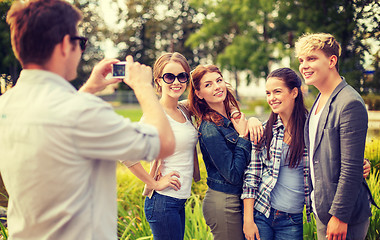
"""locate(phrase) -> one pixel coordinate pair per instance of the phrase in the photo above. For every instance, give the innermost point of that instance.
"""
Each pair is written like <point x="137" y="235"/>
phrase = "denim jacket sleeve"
<point x="229" y="153"/>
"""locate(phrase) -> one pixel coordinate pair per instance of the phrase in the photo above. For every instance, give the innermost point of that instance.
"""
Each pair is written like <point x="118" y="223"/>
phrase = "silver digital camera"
<point x="119" y="70"/>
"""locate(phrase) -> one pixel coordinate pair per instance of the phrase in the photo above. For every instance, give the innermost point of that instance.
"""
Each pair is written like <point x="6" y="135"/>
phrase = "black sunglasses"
<point x="169" y="78"/>
<point x="82" y="42"/>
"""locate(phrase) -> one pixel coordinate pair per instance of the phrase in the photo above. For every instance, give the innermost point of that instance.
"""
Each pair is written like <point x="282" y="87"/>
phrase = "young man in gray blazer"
<point x="335" y="134"/>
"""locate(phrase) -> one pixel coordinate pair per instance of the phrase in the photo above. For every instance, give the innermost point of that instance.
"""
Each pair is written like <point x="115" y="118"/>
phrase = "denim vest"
<point x="225" y="154"/>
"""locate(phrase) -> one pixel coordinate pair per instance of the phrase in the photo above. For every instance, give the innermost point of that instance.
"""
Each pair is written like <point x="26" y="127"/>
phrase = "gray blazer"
<point x="340" y="188"/>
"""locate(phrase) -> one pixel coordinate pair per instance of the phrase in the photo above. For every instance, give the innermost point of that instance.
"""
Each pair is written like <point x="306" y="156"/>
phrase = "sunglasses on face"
<point x="82" y="42"/>
<point x="169" y="78"/>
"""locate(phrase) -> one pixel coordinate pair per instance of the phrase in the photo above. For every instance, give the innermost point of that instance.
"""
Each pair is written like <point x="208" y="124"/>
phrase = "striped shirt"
<point x="262" y="173"/>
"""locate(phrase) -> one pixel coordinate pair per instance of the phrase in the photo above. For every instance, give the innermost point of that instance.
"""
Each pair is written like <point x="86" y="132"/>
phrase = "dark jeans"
<point x="166" y="216"/>
<point x="279" y="225"/>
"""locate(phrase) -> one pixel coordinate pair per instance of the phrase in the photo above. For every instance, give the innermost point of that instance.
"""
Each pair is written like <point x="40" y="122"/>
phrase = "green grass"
<point x="134" y="113"/>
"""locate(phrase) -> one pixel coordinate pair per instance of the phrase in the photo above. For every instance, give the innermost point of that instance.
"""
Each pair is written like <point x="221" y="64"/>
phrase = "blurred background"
<point x="246" y="38"/>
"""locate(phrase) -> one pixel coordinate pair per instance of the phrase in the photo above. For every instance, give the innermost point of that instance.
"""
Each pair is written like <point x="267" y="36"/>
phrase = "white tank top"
<point x="182" y="160"/>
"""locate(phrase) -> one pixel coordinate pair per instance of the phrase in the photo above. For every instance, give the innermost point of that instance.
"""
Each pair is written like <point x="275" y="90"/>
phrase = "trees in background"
<point x="9" y="66"/>
<point x="95" y="29"/>
<point x="238" y="35"/>
<point x="252" y="35"/>
<point x="151" y="27"/>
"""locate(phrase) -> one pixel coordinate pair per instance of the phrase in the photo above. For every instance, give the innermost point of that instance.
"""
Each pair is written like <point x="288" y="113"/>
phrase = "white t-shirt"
<point x="182" y="160"/>
<point x="59" y="149"/>
<point x="313" y="125"/>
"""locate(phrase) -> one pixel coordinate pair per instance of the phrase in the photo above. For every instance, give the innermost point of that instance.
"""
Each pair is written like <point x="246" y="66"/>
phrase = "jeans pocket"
<point x="296" y="218"/>
<point x="149" y="207"/>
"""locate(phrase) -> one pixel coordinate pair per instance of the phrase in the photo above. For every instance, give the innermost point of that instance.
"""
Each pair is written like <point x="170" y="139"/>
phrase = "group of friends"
<point x="60" y="146"/>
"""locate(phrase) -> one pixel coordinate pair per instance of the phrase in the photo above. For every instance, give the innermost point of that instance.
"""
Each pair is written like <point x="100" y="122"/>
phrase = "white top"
<point x="182" y="160"/>
<point x="59" y="149"/>
<point x="313" y="125"/>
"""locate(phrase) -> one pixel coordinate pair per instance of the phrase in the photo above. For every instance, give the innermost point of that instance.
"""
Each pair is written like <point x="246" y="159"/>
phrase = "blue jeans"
<point x="279" y="225"/>
<point x="166" y="216"/>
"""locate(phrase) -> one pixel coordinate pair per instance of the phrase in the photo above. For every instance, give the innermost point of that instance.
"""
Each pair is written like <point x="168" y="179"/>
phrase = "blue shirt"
<point x="288" y="193"/>
<point x="225" y="154"/>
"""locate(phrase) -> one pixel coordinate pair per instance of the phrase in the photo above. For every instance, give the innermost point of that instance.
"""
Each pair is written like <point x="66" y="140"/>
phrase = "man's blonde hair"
<point x="318" y="41"/>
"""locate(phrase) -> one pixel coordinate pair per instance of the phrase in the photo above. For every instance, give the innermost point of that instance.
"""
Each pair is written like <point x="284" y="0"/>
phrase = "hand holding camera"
<point x="97" y="80"/>
<point x="137" y="76"/>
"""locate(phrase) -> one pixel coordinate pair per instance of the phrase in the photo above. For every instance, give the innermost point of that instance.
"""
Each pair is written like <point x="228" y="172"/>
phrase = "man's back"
<point x="55" y="145"/>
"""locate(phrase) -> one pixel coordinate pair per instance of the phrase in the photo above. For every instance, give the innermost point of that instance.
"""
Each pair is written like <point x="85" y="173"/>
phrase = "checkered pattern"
<point x="261" y="175"/>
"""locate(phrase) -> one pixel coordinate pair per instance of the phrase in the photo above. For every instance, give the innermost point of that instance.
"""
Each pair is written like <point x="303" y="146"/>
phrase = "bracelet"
<point x="242" y="136"/>
<point x="233" y="112"/>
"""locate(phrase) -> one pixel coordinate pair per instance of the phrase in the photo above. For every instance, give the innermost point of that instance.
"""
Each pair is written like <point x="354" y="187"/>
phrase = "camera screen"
<point x="119" y="70"/>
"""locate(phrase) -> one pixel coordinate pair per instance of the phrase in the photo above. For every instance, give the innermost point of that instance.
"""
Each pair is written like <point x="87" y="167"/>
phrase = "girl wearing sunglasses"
<point x="169" y="183"/>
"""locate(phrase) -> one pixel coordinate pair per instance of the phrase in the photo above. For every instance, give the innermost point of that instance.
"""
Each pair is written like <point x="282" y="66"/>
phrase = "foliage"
<point x="4" y="231"/>
<point x="373" y="82"/>
<point x="252" y="35"/>
<point x="372" y="152"/>
<point x="8" y="62"/>
<point x="196" y="227"/>
<point x="131" y="220"/>
<point x="373" y="184"/>
<point x="146" y="29"/>
<point x="309" y="228"/>
<point x="94" y="28"/>
<point x="151" y="27"/>
<point x="373" y="101"/>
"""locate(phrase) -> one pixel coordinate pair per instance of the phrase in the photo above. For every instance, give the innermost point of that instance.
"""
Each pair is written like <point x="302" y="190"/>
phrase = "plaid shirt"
<point x="261" y="175"/>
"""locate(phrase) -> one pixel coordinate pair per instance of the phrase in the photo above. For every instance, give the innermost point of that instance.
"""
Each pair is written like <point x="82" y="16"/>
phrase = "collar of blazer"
<point x="324" y="114"/>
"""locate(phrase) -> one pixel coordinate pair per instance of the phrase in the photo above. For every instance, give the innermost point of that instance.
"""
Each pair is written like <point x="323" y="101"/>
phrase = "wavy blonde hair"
<point x="319" y="41"/>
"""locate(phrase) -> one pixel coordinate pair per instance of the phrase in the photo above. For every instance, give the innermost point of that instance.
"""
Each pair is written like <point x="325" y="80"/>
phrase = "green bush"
<point x="309" y="228"/>
<point x="372" y="101"/>
<point x="374" y="226"/>
<point x="372" y="152"/>
<point x="131" y="219"/>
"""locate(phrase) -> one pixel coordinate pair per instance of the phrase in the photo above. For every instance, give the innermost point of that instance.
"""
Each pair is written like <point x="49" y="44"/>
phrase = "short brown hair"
<point x="319" y="41"/>
<point x="38" y="25"/>
<point x="162" y="61"/>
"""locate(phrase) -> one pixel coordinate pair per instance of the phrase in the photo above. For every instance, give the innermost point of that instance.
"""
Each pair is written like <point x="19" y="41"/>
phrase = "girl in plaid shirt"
<point x="276" y="180"/>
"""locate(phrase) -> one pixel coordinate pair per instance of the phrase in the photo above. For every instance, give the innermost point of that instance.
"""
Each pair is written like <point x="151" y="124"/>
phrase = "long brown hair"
<point x="199" y="107"/>
<point x="296" y="121"/>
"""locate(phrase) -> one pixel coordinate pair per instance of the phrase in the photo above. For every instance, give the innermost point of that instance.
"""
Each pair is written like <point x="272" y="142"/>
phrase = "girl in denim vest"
<point x="225" y="148"/>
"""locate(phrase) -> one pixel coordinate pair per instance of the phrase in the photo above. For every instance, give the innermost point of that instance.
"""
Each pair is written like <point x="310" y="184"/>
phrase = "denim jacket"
<point x="225" y="154"/>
